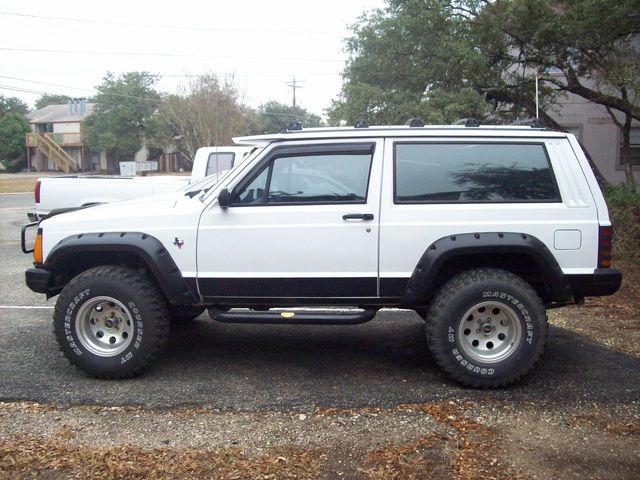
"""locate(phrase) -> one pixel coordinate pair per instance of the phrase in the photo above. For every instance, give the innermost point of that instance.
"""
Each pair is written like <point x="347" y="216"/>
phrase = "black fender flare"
<point x="483" y="246"/>
<point x="109" y="247"/>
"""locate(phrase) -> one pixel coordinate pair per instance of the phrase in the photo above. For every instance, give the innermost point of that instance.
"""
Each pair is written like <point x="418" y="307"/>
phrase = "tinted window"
<point x="473" y="172"/>
<point x="321" y="178"/>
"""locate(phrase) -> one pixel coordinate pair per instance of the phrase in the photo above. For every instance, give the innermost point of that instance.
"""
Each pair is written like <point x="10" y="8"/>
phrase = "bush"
<point x="624" y="210"/>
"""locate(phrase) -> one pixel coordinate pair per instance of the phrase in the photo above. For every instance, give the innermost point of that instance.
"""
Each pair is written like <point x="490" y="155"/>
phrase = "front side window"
<point x="323" y="177"/>
<point x="473" y="172"/>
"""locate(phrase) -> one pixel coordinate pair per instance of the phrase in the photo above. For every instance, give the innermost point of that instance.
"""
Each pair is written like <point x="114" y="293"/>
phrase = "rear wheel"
<point x="111" y="322"/>
<point x="487" y="328"/>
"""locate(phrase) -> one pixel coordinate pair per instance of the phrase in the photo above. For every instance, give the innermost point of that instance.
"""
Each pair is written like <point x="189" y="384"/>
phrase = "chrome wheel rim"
<point x="489" y="332"/>
<point x="104" y="326"/>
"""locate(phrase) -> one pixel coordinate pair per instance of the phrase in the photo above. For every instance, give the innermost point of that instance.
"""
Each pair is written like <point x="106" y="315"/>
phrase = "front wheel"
<point x="111" y="322"/>
<point x="487" y="328"/>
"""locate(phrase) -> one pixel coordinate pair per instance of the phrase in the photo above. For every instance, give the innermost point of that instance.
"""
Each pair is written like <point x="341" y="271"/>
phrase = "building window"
<point x="575" y="130"/>
<point x="635" y="146"/>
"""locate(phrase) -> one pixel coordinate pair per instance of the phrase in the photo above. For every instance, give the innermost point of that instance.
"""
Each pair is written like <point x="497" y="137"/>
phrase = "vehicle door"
<point x="301" y="224"/>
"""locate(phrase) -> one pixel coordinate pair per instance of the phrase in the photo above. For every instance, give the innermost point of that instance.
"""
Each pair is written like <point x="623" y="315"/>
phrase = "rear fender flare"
<point x="443" y="252"/>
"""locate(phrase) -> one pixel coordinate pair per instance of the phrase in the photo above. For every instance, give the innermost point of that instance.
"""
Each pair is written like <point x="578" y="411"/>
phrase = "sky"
<point x="66" y="47"/>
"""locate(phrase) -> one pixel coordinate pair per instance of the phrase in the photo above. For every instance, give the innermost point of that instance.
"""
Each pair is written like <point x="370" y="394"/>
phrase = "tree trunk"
<point x="625" y="128"/>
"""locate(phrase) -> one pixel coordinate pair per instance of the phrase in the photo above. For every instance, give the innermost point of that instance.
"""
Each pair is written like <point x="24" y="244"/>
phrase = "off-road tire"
<point x="111" y="322"/>
<point x="486" y="328"/>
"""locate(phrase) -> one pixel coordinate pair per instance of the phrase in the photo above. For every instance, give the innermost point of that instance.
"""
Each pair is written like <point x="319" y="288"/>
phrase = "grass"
<point x="624" y="211"/>
<point x="17" y="184"/>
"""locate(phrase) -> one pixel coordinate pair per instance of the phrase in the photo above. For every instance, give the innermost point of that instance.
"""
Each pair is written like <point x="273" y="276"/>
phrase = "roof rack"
<point x="295" y="125"/>
<point x="468" y="122"/>
<point x="532" y="122"/>
<point x="414" y="122"/>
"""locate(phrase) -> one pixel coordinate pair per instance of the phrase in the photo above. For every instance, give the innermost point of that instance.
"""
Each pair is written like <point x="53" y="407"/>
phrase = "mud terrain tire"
<point x="111" y="322"/>
<point x="486" y="328"/>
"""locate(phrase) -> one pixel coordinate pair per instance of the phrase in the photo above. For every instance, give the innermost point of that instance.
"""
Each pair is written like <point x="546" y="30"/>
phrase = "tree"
<point x="585" y="47"/>
<point x="47" y="99"/>
<point x="274" y="117"/>
<point x="12" y="105"/>
<point x="13" y="127"/>
<point x="123" y="119"/>
<point x="206" y="111"/>
<point x="440" y="58"/>
<point x="404" y="58"/>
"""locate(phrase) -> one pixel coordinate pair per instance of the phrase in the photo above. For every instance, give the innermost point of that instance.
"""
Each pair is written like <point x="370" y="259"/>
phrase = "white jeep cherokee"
<point x="478" y="230"/>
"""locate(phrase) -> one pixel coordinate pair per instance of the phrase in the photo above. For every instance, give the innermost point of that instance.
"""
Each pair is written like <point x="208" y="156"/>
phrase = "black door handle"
<point x="358" y="216"/>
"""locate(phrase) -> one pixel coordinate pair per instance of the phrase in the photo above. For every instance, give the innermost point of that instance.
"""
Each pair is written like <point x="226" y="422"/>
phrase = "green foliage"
<point x="12" y="105"/>
<point x="123" y="116"/>
<point x="48" y="99"/>
<point x="624" y="210"/>
<point x="446" y="107"/>
<point x="621" y="196"/>
<point x="13" y="127"/>
<point x="405" y="59"/>
<point x="585" y="47"/>
<point x="274" y="117"/>
<point x="440" y="58"/>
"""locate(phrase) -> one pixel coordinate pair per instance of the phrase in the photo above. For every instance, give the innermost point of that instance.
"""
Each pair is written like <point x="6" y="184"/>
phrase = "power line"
<point x="159" y="54"/>
<point x="43" y="83"/>
<point x="173" y="27"/>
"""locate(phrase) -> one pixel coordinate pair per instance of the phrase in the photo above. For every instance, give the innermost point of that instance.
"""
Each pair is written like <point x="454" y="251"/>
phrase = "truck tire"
<point x="111" y="322"/>
<point x="486" y="328"/>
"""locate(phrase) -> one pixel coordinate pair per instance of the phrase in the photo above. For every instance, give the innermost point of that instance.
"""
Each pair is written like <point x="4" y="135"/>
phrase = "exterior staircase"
<point x="52" y="150"/>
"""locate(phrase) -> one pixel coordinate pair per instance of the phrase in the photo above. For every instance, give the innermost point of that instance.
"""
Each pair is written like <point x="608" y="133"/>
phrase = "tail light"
<point x="37" y="192"/>
<point x="604" y="247"/>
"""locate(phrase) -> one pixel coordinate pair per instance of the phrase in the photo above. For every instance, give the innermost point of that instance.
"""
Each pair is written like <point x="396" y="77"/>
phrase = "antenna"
<point x="537" y="115"/>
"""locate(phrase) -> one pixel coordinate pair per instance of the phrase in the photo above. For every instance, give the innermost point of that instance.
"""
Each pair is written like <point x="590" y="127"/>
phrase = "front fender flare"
<point x="148" y="249"/>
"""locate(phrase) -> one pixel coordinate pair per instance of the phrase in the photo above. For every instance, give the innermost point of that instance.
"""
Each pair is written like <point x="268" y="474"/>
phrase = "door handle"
<point x="358" y="216"/>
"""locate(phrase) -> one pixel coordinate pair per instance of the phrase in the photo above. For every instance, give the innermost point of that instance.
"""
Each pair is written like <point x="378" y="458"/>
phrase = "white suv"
<point x="478" y="230"/>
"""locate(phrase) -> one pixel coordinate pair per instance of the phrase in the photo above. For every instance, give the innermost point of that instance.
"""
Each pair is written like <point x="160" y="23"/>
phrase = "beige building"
<point x="56" y="143"/>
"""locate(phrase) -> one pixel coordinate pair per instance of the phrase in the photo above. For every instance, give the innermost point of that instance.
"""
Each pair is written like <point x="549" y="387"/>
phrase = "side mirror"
<point x="224" y="198"/>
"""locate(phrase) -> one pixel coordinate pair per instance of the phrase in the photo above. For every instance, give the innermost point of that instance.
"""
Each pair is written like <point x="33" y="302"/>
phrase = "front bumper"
<point x="35" y="216"/>
<point x="40" y="280"/>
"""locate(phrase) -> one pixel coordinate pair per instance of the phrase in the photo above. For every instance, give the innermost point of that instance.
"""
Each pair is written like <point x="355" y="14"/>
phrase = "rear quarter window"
<point x="473" y="173"/>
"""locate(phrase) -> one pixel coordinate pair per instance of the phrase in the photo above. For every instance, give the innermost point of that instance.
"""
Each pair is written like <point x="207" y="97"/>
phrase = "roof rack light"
<point x="414" y="123"/>
<point x="361" y="124"/>
<point x="467" y="122"/>
<point x="295" y="125"/>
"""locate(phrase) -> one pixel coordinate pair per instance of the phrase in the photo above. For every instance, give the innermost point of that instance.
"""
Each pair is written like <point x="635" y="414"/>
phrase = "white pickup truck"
<point x="54" y="195"/>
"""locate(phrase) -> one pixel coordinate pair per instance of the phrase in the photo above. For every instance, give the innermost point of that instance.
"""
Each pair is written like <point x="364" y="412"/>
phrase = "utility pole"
<point x="294" y="86"/>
